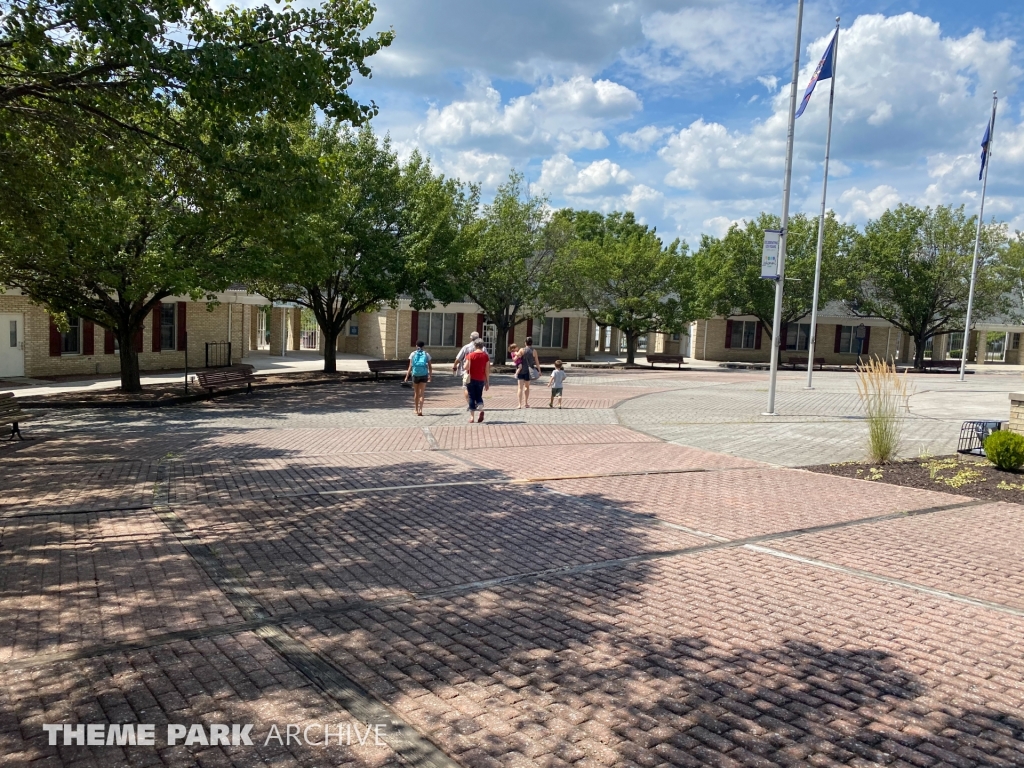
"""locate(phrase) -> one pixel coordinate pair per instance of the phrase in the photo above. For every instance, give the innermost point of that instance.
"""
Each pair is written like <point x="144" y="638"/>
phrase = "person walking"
<point x="524" y="374"/>
<point x="478" y="363"/>
<point x="459" y="368"/>
<point x="556" y="383"/>
<point x="422" y="371"/>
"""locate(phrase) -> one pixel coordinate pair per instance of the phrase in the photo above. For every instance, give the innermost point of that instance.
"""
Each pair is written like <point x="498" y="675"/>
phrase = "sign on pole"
<point x="770" y="254"/>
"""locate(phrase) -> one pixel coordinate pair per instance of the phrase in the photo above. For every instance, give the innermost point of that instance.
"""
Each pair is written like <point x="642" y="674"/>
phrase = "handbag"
<point x="534" y="374"/>
<point x="466" y="379"/>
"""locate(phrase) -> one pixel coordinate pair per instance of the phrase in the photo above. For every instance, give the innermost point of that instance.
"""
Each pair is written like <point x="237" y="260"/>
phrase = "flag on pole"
<point x="984" y="149"/>
<point x="823" y="72"/>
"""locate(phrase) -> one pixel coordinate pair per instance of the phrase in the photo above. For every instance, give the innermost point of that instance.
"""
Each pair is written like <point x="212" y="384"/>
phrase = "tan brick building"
<point x="32" y="345"/>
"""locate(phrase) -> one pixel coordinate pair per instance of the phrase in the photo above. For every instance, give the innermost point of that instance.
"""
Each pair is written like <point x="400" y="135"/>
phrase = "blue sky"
<point x="676" y="109"/>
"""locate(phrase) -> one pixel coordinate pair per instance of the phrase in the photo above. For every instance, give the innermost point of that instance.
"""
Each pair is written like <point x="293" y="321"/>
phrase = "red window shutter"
<point x="182" y="328"/>
<point x="757" y="335"/>
<point x="88" y="337"/>
<point x="511" y="335"/>
<point x="529" y="327"/>
<point x="108" y="341"/>
<point x="460" y="322"/>
<point x="139" y="338"/>
<point x="565" y="333"/>
<point x="415" y="335"/>
<point x="156" y="328"/>
<point x="728" y="333"/>
<point x="480" y="325"/>
<point x="839" y="338"/>
<point x="867" y="339"/>
<point x="55" y="340"/>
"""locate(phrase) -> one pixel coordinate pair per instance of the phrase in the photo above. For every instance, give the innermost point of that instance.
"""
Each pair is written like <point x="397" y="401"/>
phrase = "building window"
<point x="353" y="327"/>
<point x="744" y="334"/>
<point x="168" y="330"/>
<point x="956" y="345"/>
<point x="551" y="332"/>
<point x="849" y="344"/>
<point x="676" y="336"/>
<point x="929" y="348"/>
<point x="71" y="339"/>
<point x="1016" y="341"/>
<point x="437" y="329"/>
<point x="797" y="336"/>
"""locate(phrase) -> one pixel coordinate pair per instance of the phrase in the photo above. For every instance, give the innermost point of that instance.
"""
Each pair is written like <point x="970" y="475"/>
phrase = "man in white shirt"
<point x="460" y="359"/>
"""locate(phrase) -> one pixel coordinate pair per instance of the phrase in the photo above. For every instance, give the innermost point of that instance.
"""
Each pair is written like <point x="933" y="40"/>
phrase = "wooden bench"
<point x="666" y="359"/>
<point x="819" y="362"/>
<point x="227" y="378"/>
<point x="378" y="366"/>
<point x="11" y="413"/>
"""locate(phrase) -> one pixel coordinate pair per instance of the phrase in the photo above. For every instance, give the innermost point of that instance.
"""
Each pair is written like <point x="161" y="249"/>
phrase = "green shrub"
<point x="1005" y="449"/>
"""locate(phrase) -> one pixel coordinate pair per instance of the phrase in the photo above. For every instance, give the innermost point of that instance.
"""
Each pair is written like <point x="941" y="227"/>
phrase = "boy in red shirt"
<point x="478" y="363"/>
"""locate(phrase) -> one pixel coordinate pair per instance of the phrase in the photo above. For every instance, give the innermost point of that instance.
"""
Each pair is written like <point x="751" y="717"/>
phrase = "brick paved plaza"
<point x="639" y="579"/>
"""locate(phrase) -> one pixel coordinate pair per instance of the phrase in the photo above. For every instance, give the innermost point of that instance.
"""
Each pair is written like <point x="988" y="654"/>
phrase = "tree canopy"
<point x="379" y="230"/>
<point x="621" y="274"/>
<point x="508" y="262"/>
<point x="728" y="269"/>
<point x="916" y="271"/>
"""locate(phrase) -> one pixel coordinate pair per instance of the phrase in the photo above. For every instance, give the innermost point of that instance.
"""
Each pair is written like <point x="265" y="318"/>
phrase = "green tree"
<point x="378" y="231"/>
<point x="1009" y="268"/>
<point x="132" y="65"/>
<point x="917" y="271"/>
<point x="621" y="274"/>
<point x="123" y="235"/>
<point x="728" y="269"/>
<point x="507" y="262"/>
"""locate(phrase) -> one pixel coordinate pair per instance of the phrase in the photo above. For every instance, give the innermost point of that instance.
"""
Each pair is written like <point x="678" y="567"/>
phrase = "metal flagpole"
<point x="977" y="239"/>
<point x="821" y="218"/>
<point x="780" y="281"/>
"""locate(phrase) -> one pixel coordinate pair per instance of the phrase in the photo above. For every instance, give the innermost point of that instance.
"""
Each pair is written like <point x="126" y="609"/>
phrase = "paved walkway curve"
<point x="550" y="588"/>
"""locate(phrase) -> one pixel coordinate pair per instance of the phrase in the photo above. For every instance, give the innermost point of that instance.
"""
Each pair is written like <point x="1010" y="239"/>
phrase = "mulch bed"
<point x="971" y="476"/>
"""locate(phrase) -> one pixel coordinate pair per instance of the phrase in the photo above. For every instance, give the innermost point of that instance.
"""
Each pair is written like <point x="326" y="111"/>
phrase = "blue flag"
<point x="823" y="72"/>
<point x="984" y="150"/>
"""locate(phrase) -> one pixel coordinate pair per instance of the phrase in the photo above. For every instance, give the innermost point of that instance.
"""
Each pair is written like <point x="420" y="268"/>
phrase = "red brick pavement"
<point x="518" y="435"/>
<point x="78" y="487"/>
<point x="273" y="443"/>
<point x="312" y="553"/>
<point x="754" y="501"/>
<point x="562" y="461"/>
<point x="83" y="579"/>
<point x="976" y="552"/>
<point x="235" y="679"/>
<point x="727" y="658"/>
<point x="236" y="479"/>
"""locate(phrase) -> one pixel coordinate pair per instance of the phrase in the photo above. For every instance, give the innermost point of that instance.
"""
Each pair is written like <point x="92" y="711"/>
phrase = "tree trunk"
<point x="131" y="380"/>
<point x="919" y="353"/>
<point x="501" y="345"/>
<point x="630" y="348"/>
<point x="330" y="348"/>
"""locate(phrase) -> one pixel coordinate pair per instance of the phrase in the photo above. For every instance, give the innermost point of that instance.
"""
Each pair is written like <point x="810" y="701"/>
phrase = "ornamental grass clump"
<point x="885" y="395"/>
<point x="1005" y="450"/>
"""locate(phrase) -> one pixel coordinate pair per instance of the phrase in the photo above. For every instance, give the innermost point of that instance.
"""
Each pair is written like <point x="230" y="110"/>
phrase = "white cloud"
<point x="882" y="114"/>
<point x="642" y="139"/>
<point x="566" y="116"/>
<point x="487" y="168"/>
<point x="719" y="225"/>
<point x="863" y="205"/>
<point x="730" y="40"/>
<point x="561" y="175"/>
<point x="771" y="82"/>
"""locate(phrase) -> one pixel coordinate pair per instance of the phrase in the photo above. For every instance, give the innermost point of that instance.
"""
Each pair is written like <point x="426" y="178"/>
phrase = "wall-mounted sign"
<point x="770" y="254"/>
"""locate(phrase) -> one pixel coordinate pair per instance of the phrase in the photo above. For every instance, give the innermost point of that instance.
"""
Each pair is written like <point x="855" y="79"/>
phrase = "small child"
<point x="556" y="382"/>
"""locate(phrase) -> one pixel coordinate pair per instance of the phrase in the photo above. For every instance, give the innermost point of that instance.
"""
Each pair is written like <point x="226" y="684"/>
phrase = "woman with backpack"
<point x="421" y="370"/>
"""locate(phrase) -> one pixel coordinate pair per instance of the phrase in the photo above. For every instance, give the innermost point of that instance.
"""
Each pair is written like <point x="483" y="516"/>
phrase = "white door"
<point x="12" y="345"/>
<point x="491" y="339"/>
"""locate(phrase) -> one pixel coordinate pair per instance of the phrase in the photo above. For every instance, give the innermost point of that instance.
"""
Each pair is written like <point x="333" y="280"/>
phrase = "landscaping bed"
<point x="973" y="476"/>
